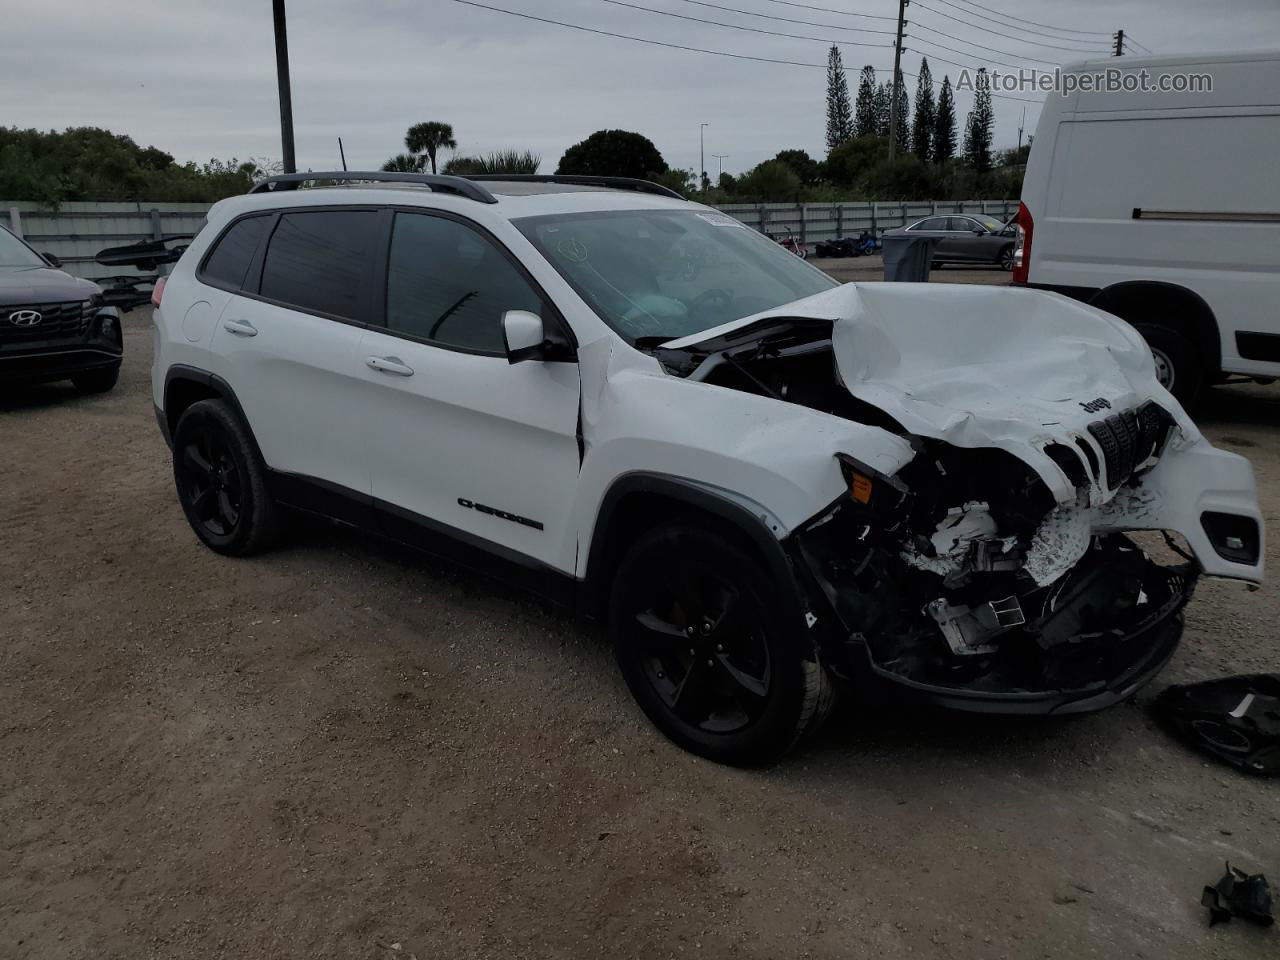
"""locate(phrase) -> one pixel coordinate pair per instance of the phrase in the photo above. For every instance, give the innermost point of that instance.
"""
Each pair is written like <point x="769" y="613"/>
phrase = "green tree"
<point x="902" y="107"/>
<point x="906" y="178"/>
<point x="430" y="138"/>
<point x="681" y="181"/>
<point x="926" y="114"/>
<point x="614" y="153"/>
<point x="944" y="125"/>
<point x="864" y="115"/>
<point x="771" y="182"/>
<point x="850" y="162"/>
<point x="497" y="161"/>
<point x="980" y="125"/>
<point x="880" y="109"/>
<point x="403" y="163"/>
<point x="806" y="168"/>
<point x="839" y="114"/>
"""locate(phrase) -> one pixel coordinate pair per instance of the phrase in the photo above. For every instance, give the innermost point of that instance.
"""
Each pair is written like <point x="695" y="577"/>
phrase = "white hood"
<point x="985" y="366"/>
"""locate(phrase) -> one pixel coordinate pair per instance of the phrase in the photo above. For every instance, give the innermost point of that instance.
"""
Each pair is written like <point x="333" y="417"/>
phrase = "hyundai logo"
<point x="25" y="318"/>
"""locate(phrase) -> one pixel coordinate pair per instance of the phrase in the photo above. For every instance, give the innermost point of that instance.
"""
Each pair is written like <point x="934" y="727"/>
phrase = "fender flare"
<point x="602" y="554"/>
<point x="184" y="373"/>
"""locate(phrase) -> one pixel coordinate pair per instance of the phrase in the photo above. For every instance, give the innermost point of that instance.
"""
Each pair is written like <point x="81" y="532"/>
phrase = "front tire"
<point x="96" y="381"/>
<point x="1006" y="258"/>
<point x="221" y="480"/>
<point x="705" y="652"/>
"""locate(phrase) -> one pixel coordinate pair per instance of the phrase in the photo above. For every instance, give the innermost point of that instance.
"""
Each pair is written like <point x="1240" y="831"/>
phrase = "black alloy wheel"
<point x="706" y="651"/>
<point x="221" y="480"/>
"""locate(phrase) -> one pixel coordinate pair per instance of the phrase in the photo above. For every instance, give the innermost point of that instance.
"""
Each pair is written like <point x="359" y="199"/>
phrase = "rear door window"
<point x="229" y="260"/>
<point x="933" y="223"/>
<point x="319" y="261"/>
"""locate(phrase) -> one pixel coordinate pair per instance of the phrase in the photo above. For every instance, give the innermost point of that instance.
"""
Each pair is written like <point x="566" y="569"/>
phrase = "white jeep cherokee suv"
<point x="770" y="485"/>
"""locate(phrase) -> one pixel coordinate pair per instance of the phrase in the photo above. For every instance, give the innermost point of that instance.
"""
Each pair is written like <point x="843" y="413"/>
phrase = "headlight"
<point x="109" y="327"/>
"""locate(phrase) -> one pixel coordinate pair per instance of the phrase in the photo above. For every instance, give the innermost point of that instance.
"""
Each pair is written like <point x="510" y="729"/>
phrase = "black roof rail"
<point x="437" y="182"/>
<point x="616" y="183"/>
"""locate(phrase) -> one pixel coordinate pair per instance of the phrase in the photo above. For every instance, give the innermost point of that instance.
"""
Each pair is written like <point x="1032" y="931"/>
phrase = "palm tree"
<point x="428" y="138"/>
<point x="403" y="163"/>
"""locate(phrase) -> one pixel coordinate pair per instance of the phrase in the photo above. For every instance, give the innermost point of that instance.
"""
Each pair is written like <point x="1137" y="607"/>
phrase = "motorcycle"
<point x="791" y="244"/>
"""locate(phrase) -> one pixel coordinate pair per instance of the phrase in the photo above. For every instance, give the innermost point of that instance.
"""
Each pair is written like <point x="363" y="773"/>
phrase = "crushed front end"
<point x="963" y="581"/>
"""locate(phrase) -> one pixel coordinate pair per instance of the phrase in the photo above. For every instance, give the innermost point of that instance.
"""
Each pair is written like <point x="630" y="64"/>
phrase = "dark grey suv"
<point x="53" y="326"/>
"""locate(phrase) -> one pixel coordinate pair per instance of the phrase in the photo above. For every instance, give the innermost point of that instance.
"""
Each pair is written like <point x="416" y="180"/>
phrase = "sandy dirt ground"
<point x="341" y="749"/>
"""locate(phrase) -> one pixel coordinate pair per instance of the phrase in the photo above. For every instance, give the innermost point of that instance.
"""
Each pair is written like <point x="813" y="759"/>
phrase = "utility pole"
<point x="721" y="157"/>
<point x="1021" y="123"/>
<point x="282" y="80"/>
<point x="1118" y="37"/>
<point x="893" y="87"/>
<point x="702" y="157"/>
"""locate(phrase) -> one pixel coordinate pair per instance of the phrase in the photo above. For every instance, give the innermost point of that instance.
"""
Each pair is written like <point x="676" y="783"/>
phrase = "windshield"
<point x="15" y="253"/>
<point x="991" y="223"/>
<point x="665" y="274"/>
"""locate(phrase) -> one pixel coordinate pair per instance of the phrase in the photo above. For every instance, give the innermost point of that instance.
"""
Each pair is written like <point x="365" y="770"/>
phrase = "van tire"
<point x="1179" y="369"/>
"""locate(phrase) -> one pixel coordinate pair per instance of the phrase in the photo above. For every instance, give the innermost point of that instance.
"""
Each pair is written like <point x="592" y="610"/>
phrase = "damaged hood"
<point x="978" y="366"/>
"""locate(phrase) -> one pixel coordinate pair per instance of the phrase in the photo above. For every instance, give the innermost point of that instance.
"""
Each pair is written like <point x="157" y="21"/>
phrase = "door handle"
<point x="392" y="365"/>
<point x="242" y="327"/>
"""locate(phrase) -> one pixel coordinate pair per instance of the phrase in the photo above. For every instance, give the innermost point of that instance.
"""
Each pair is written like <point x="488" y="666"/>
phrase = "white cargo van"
<point x="1164" y="209"/>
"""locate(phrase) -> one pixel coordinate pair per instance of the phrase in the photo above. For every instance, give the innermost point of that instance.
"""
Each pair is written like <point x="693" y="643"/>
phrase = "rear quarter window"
<point x="318" y="261"/>
<point x="228" y="261"/>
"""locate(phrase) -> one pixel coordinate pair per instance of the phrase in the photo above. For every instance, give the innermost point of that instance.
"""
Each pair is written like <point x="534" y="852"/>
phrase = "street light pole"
<point x="721" y="157"/>
<point x="702" y="156"/>
<point x="282" y="80"/>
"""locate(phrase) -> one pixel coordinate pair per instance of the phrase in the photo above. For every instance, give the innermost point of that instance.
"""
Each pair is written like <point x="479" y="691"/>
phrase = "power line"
<point x="623" y="36"/>
<point x="964" y="66"/>
<point x="714" y="53"/>
<point x="737" y="26"/>
<point x="1133" y="42"/>
<point x="1047" y="26"/>
<point x="963" y="53"/>
<point x="843" y="13"/>
<point x="767" y="16"/>
<point x="972" y="43"/>
<point x="1008" y="36"/>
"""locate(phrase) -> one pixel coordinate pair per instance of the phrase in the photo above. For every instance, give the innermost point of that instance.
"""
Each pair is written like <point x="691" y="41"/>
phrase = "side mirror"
<point x="979" y="232"/>
<point x="51" y="260"/>
<point x="524" y="335"/>
<point x="527" y="337"/>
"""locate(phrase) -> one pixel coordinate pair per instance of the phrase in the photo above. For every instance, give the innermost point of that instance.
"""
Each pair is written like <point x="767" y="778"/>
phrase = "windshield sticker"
<point x="719" y="220"/>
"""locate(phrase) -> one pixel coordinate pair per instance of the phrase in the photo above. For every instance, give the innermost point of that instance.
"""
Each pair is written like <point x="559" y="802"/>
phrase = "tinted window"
<point x="933" y="223"/>
<point x="319" y="260"/>
<point x="448" y="283"/>
<point x="229" y="261"/>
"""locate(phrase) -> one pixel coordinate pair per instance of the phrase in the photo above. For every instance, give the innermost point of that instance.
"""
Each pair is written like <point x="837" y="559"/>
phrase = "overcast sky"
<point x="197" y="79"/>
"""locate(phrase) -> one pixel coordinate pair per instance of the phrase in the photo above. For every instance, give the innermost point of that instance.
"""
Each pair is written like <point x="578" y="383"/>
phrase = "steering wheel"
<point x="716" y="299"/>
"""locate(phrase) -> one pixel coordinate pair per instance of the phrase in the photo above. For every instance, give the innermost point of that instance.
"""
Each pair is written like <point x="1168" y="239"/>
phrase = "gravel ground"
<point x="341" y="749"/>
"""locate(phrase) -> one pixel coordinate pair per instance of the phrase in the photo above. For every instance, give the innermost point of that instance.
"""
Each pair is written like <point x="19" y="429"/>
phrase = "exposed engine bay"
<point x="993" y="565"/>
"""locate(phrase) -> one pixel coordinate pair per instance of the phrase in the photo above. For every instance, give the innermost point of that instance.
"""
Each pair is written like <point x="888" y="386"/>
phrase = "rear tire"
<point x="222" y="481"/>
<point x="96" y="381"/>
<point x="705" y="652"/>
<point x="1178" y="368"/>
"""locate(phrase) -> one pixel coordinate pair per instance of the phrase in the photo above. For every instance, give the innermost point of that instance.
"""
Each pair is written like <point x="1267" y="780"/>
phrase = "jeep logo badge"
<point x="25" y="318"/>
<point x="1093" y="406"/>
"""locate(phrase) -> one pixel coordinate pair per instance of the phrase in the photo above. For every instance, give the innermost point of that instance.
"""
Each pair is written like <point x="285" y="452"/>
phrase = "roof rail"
<point x="437" y="182"/>
<point x="617" y="183"/>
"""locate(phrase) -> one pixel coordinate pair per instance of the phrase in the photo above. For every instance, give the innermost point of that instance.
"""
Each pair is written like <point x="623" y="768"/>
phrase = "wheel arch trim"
<point x="690" y="494"/>
<point x="1204" y="325"/>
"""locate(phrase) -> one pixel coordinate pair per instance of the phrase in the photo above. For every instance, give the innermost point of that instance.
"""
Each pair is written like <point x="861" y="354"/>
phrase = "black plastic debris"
<point x="1237" y="719"/>
<point x="1239" y="894"/>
